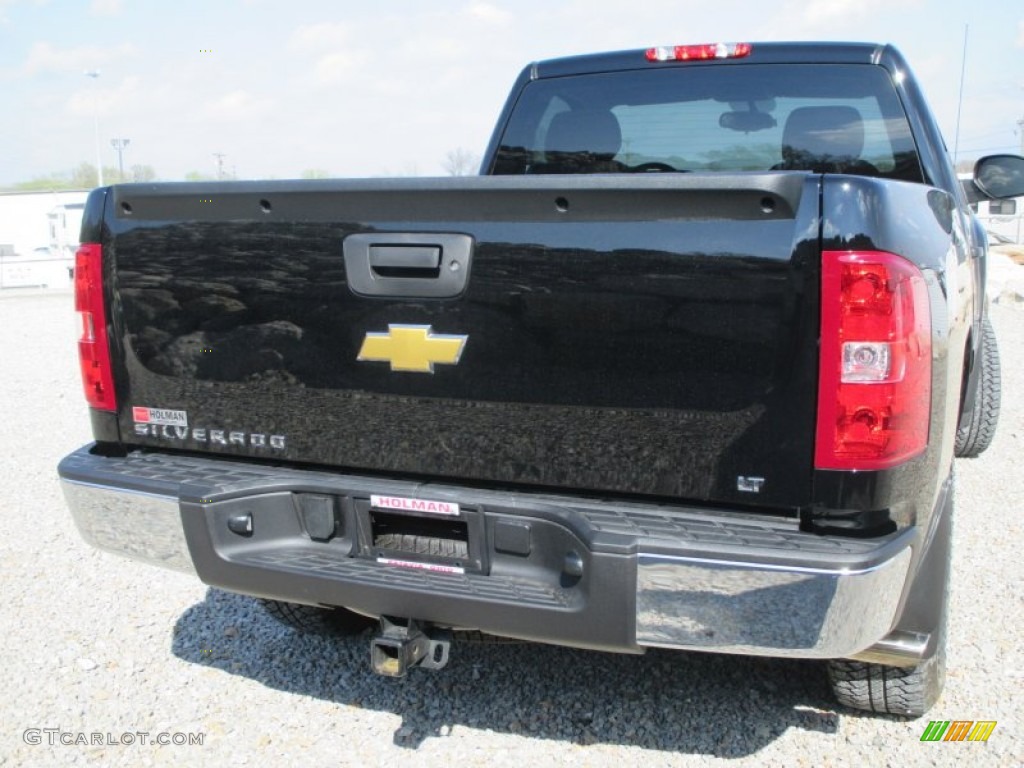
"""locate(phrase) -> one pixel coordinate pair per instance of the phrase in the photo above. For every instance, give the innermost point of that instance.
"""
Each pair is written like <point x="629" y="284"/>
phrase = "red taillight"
<point x="699" y="52"/>
<point x="93" y="350"/>
<point x="874" y="384"/>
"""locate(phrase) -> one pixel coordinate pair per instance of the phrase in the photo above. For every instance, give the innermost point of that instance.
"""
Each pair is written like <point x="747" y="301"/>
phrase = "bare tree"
<point x="83" y="176"/>
<point x="143" y="173"/>
<point x="461" y="162"/>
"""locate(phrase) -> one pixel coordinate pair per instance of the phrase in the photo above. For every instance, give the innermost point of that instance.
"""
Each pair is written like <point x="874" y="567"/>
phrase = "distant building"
<point x="39" y="234"/>
<point x="1003" y="219"/>
<point x="30" y="220"/>
<point x="65" y="224"/>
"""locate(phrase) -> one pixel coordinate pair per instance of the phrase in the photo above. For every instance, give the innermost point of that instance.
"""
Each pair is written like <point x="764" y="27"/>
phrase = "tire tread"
<point x="314" y="620"/>
<point x="975" y="436"/>
<point x="422" y="545"/>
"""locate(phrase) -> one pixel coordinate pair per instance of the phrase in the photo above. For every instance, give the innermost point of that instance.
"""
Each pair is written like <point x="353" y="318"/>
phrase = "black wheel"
<point x="318" y="621"/>
<point x="975" y="435"/>
<point x="909" y="691"/>
<point x="422" y="545"/>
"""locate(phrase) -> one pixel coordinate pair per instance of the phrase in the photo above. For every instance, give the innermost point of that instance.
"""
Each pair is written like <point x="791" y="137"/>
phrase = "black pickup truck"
<point x="687" y="366"/>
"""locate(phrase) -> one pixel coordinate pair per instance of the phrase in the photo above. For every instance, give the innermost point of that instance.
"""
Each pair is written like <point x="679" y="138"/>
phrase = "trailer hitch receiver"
<point x="401" y="644"/>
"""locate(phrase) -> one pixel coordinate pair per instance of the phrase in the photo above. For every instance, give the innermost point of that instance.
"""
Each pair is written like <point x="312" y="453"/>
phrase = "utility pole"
<point x="94" y="74"/>
<point x="220" y="164"/>
<point x="960" y="99"/>
<point x="119" y="146"/>
<point x="1020" y="131"/>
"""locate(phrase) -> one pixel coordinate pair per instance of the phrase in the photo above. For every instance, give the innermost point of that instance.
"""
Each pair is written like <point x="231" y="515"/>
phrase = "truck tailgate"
<point x="651" y="334"/>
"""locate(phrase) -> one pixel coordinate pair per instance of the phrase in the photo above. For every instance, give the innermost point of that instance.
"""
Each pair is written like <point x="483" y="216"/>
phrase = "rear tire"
<point x="908" y="691"/>
<point x="314" y="620"/>
<point x="423" y="545"/>
<point x="975" y="435"/>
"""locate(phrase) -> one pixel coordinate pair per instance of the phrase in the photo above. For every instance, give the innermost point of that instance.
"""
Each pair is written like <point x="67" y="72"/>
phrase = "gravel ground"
<point x="97" y="644"/>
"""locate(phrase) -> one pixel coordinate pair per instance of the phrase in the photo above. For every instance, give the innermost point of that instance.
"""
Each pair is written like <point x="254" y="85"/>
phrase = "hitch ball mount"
<point x="401" y="644"/>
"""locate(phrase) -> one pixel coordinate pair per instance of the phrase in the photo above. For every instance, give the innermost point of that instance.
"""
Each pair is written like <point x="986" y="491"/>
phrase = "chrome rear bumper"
<point x="644" y="575"/>
<point x="777" y="610"/>
<point x="141" y="526"/>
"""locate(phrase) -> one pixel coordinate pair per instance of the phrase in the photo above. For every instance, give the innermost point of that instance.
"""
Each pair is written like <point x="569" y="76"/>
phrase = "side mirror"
<point x="1000" y="176"/>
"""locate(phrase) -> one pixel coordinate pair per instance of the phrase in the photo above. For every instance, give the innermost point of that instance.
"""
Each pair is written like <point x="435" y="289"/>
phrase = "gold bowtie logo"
<point x="412" y="348"/>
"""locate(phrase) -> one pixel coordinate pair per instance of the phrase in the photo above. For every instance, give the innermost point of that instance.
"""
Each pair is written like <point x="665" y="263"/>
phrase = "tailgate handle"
<point x="406" y="260"/>
<point x="432" y="265"/>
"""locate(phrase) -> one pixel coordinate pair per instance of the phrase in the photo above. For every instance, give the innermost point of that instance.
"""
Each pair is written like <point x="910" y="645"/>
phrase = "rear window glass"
<point x="749" y="117"/>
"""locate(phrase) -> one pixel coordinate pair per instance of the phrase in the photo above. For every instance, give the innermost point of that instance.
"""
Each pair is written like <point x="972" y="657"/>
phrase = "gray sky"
<point x="364" y="89"/>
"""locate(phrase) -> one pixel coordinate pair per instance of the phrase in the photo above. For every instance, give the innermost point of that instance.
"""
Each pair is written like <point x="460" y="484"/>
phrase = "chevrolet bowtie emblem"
<point x="412" y="348"/>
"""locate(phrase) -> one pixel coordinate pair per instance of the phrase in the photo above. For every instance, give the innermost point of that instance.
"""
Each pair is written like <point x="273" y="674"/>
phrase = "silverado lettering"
<point x="729" y="332"/>
<point x="211" y="436"/>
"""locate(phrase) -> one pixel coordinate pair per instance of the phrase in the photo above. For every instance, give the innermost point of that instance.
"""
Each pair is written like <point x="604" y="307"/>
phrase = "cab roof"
<point x="760" y="53"/>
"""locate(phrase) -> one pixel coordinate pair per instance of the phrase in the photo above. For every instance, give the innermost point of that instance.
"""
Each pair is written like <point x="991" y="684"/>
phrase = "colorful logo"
<point x="412" y="348"/>
<point x="958" y="730"/>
